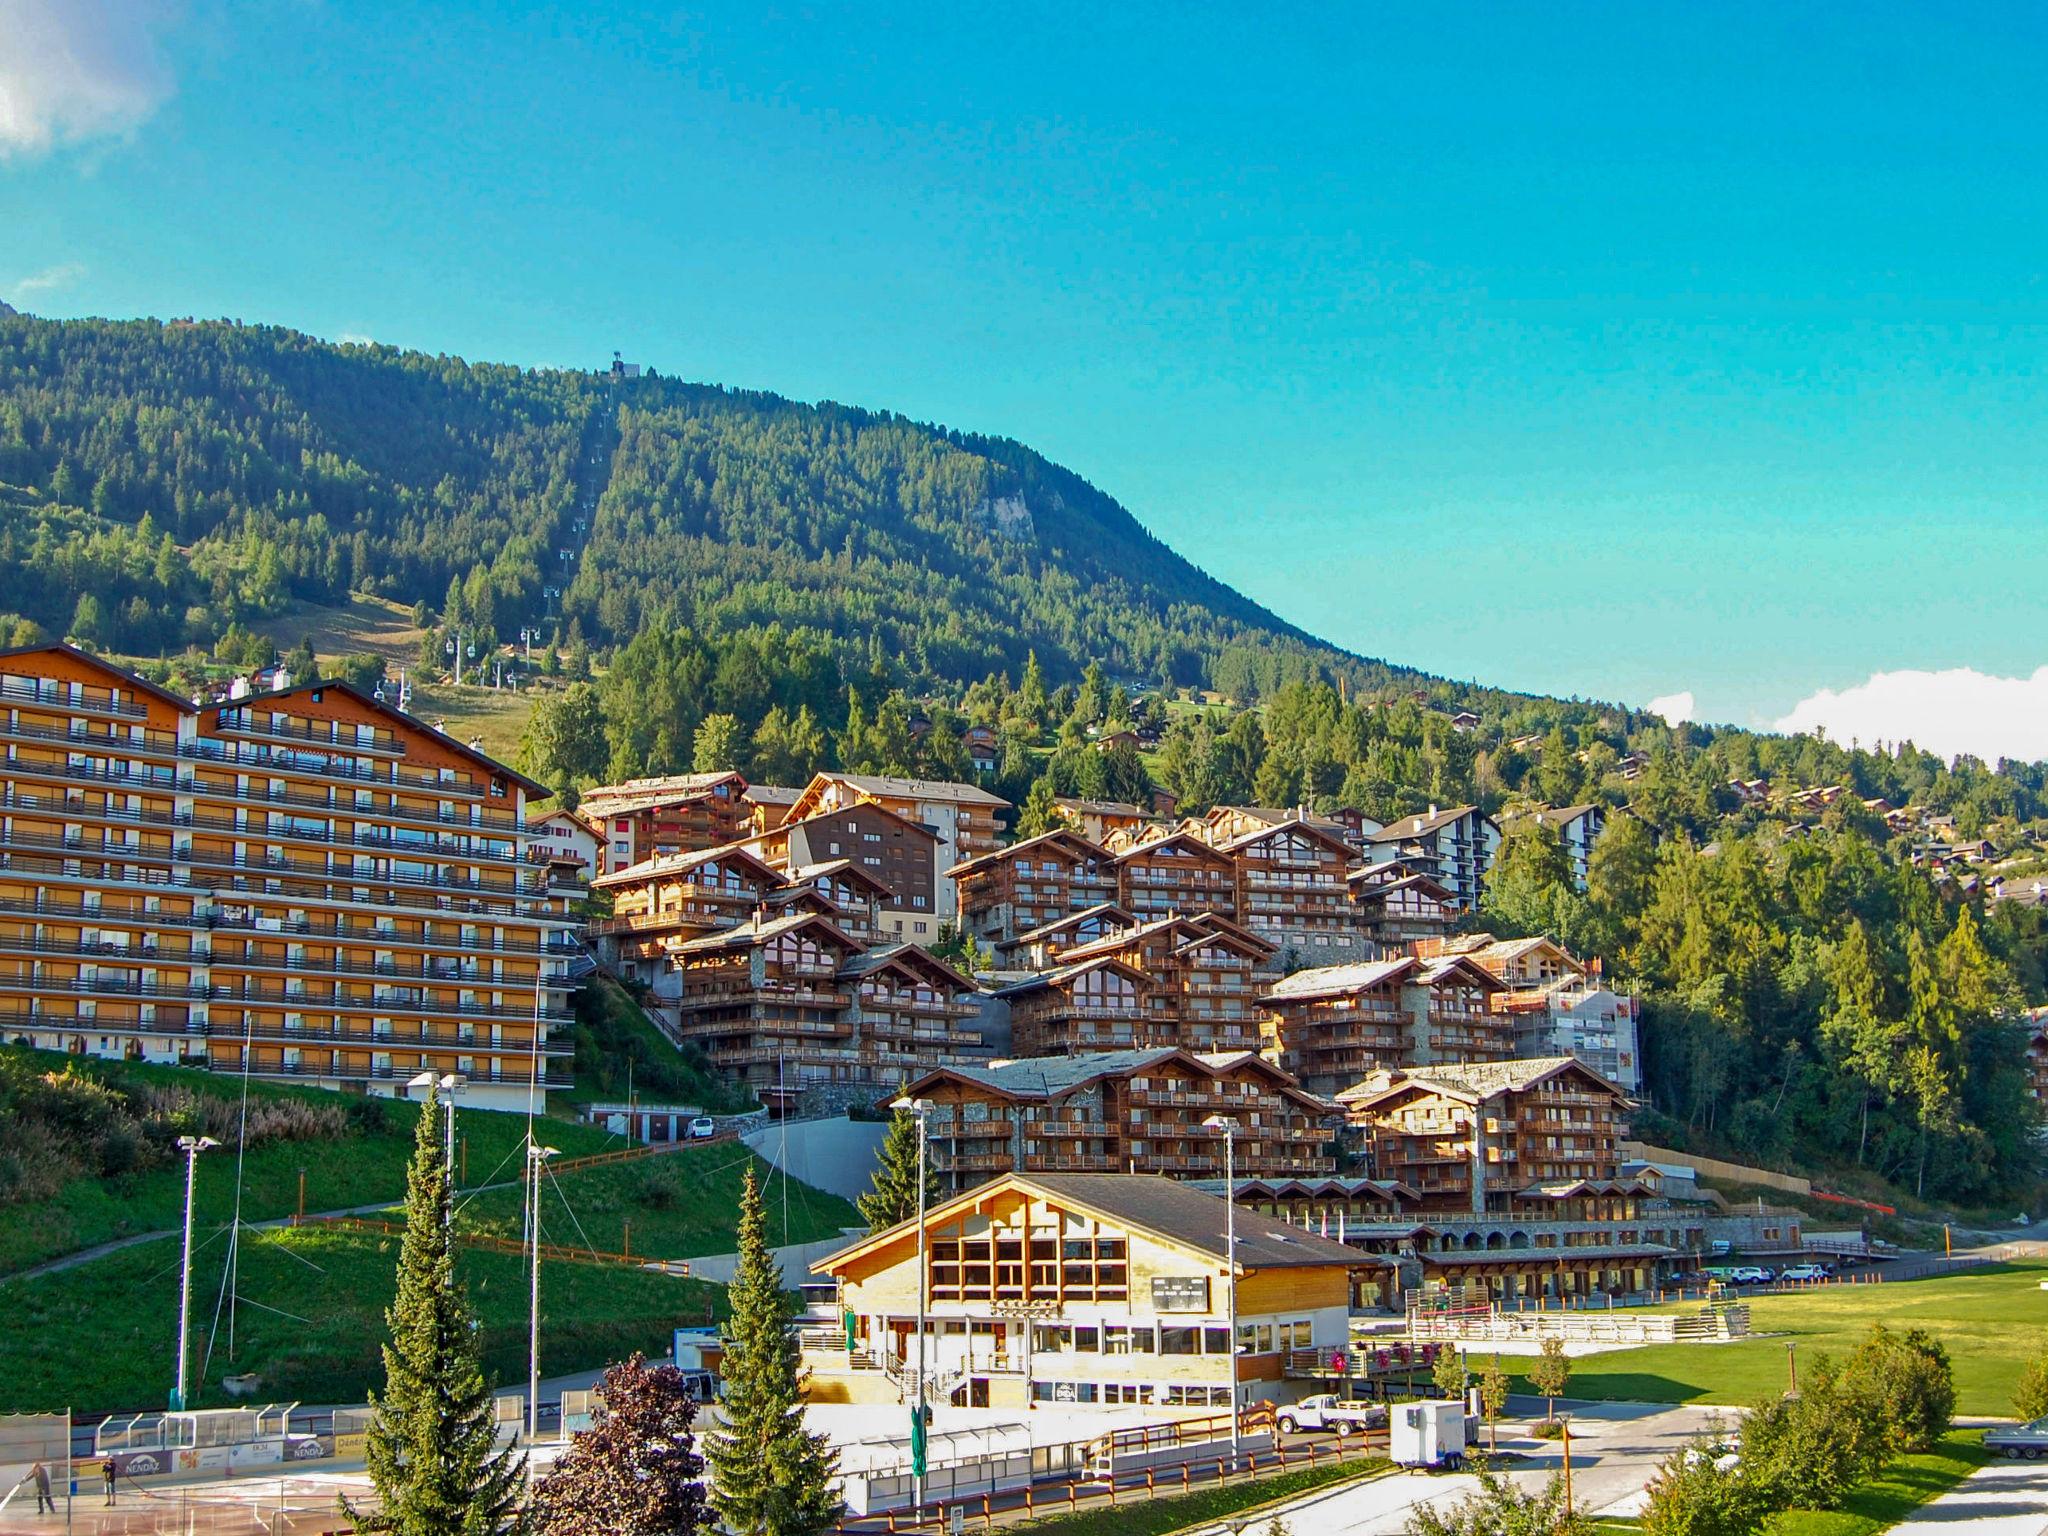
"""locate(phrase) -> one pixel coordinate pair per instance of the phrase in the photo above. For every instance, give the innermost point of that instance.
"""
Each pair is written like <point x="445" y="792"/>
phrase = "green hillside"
<point x="165" y="481"/>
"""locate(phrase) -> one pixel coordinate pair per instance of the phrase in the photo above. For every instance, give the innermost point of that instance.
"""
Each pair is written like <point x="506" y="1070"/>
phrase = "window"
<point x="1180" y="1341"/>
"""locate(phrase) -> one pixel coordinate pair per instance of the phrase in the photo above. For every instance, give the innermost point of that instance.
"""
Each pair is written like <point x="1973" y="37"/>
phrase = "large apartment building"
<point x="641" y="819"/>
<point x="1494" y="1136"/>
<point x="794" y="1003"/>
<point x="1135" y="1111"/>
<point x="1039" y="880"/>
<point x="1291" y="890"/>
<point x="894" y="851"/>
<point x="1200" y="990"/>
<point x="305" y="883"/>
<point x="1455" y="846"/>
<point x="1335" y="1024"/>
<point x="961" y="816"/>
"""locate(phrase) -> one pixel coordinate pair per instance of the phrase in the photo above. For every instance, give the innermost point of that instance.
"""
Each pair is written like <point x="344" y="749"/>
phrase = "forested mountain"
<point x="159" y="481"/>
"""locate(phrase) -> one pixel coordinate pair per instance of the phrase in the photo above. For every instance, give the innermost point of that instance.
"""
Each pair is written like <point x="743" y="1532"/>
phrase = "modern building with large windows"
<point x="305" y="882"/>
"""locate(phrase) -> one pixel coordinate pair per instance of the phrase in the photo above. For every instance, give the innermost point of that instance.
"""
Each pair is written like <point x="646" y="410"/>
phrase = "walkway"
<point x="2007" y="1498"/>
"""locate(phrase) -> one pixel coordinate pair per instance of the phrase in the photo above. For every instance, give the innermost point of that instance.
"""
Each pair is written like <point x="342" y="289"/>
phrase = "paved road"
<point x="1615" y="1449"/>
<point x="2007" y="1498"/>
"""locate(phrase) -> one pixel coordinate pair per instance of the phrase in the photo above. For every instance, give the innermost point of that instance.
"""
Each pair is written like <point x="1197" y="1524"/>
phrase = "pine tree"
<point x="894" y="1196"/>
<point x="432" y="1451"/>
<point x="636" y="1471"/>
<point x="769" y="1476"/>
<point x="1039" y="813"/>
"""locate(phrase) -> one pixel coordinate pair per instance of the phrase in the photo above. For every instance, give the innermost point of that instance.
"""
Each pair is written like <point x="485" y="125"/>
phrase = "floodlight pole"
<point x="536" y="1158"/>
<point x="191" y="1146"/>
<point x="1229" y="1129"/>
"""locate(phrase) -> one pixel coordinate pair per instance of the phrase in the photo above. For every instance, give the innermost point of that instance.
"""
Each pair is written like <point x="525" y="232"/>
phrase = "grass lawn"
<point x="681" y="1204"/>
<point x="363" y="1167"/>
<point x="1136" y="1515"/>
<point x="1992" y="1319"/>
<point x="103" y="1336"/>
<point x="619" y="1049"/>
<point x="1878" y="1505"/>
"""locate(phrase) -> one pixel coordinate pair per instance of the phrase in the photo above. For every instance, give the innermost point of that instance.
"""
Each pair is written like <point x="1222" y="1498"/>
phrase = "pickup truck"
<point x="1341" y="1415"/>
<point x="2029" y="1440"/>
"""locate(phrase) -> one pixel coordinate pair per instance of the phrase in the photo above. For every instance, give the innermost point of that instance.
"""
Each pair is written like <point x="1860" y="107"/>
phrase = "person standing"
<point x="110" y="1470"/>
<point x="44" y="1503"/>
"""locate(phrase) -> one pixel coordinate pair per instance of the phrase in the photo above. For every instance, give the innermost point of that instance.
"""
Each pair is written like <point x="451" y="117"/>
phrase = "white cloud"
<point x="1674" y="707"/>
<point x="72" y="70"/>
<point x="63" y="275"/>
<point x="356" y="339"/>
<point x="1952" y="711"/>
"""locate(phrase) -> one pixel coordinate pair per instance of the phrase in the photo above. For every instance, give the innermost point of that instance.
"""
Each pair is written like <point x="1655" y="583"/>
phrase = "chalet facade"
<point x="1292" y="892"/>
<point x="1175" y="874"/>
<point x="1099" y="820"/>
<point x="1332" y="1025"/>
<point x="896" y="853"/>
<point x="1137" y="1111"/>
<point x="641" y="819"/>
<point x="1089" y="1005"/>
<point x="669" y="898"/>
<point x="795" y="1003"/>
<point x="962" y="817"/>
<point x="1201" y="979"/>
<point x="1031" y="883"/>
<point x="1395" y="907"/>
<point x="1082" y="1290"/>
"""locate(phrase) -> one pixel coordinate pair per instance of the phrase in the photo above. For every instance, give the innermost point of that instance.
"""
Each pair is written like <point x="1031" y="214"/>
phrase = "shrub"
<point x="2030" y="1397"/>
<point x="1691" y="1496"/>
<point x="1904" y="1382"/>
<point x="1499" y="1508"/>
<point x="1807" y="1452"/>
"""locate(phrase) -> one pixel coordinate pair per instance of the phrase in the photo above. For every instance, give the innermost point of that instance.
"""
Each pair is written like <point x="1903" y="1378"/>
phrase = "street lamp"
<point x="447" y="1083"/>
<point x="536" y="1159"/>
<point x="191" y="1146"/>
<point x="1228" y="1127"/>
<point x="919" y="1108"/>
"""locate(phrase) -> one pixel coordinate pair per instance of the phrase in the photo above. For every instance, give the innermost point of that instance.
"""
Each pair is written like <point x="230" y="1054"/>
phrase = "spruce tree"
<point x="432" y="1451"/>
<point x="894" y="1196"/>
<point x="769" y="1476"/>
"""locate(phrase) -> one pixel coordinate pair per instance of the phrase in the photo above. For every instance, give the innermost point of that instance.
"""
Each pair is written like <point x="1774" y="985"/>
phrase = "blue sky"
<point x="1632" y="351"/>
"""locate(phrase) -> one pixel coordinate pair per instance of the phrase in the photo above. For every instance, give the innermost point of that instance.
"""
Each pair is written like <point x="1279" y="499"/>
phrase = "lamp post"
<point x="536" y="1159"/>
<point x="447" y="1083"/>
<point x="919" y="1108"/>
<point x="1229" y="1129"/>
<point x="191" y="1146"/>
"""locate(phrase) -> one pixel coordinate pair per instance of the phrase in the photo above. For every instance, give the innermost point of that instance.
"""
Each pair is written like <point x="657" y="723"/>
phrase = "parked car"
<point x="1750" y="1274"/>
<point x="1805" y="1272"/>
<point x="703" y="1128"/>
<point x="2029" y="1440"/>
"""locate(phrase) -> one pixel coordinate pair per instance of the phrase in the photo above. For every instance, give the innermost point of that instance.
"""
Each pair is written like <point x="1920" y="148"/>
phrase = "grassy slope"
<point x="680" y="1204"/>
<point x="363" y="1168"/>
<point x="1992" y="1320"/>
<point x="619" y="1033"/>
<point x="102" y="1336"/>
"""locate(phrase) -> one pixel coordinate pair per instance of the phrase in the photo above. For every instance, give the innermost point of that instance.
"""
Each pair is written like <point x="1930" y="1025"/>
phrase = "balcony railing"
<point x="51" y="694"/>
<point x="517" y="1078"/>
<point x="385" y="1039"/>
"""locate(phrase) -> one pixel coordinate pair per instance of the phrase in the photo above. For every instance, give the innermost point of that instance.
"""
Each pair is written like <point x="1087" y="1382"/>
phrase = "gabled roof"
<point x="1218" y="924"/>
<point x="1391" y="1190"/>
<point x="884" y="786"/>
<point x="1186" y="840"/>
<point x="1473" y="1082"/>
<point x="1330" y="834"/>
<point x="747" y="935"/>
<point x="1458" y="968"/>
<point x="643" y="794"/>
<point x="122" y="675"/>
<point x="662" y="866"/>
<point x="1067" y="973"/>
<point x="1364" y="882"/>
<point x="1066" y="836"/>
<point x="1100" y="807"/>
<point x="1343" y="980"/>
<point x="840" y="869"/>
<point x="441" y="738"/>
<point x="1051" y="1077"/>
<point x="1405" y="827"/>
<point x="771" y="794"/>
<point x="912" y="958"/>
<point x="1163" y="1210"/>
<point x="1104" y="910"/>
<point x="874" y="807"/>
